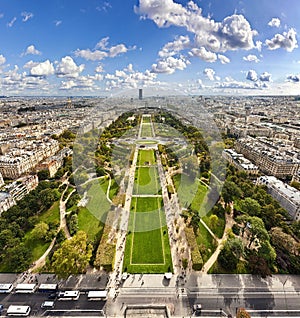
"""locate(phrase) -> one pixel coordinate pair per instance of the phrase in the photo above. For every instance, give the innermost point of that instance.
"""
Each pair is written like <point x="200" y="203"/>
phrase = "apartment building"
<point x="287" y="196"/>
<point x="271" y="159"/>
<point x="240" y="162"/>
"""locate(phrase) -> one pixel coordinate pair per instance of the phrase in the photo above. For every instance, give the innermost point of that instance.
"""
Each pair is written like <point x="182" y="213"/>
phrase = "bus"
<point x="14" y="310"/>
<point x="97" y="295"/>
<point x="6" y="288"/>
<point x="25" y="288"/>
<point x="69" y="295"/>
<point x="48" y="288"/>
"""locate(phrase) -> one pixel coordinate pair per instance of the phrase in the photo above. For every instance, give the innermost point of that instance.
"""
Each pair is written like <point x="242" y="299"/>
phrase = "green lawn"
<point x="146" y="157"/>
<point x="146" y="181"/>
<point x="147" y="247"/>
<point x="146" y="130"/>
<point x="206" y="243"/>
<point x="190" y="192"/>
<point x="51" y="215"/>
<point x="88" y="223"/>
<point x="98" y="205"/>
<point x="146" y="119"/>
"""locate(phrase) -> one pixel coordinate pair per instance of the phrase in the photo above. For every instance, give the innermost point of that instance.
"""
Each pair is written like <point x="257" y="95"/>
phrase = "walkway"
<point x="210" y="262"/>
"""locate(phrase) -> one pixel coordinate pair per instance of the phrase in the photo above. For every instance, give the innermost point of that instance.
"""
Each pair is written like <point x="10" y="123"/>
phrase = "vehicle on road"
<point x="14" y="310"/>
<point x="69" y="295"/>
<point x="6" y="288"/>
<point x="47" y="304"/>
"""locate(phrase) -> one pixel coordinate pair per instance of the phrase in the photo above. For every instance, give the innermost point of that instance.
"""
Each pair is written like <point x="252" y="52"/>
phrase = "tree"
<point x="43" y="175"/>
<point x="230" y="191"/>
<point x="231" y="252"/>
<point x="250" y="207"/>
<point x="40" y="231"/>
<point x="213" y="221"/>
<point x="242" y="313"/>
<point x="19" y="257"/>
<point x="284" y="241"/>
<point x="73" y="256"/>
<point x="257" y="230"/>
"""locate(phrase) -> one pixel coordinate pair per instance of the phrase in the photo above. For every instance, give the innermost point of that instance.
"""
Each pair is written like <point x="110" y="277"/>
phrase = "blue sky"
<point x="95" y="47"/>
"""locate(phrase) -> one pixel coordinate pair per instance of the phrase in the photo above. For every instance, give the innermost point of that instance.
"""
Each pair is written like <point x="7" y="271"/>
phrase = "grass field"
<point x="88" y="223"/>
<point x="146" y="130"/>
<point x="146" y="119"/>
<point x="190" y="192"/>
<point x="98" y="204"/>
<point x="147" y="247"/>
<point x="146" y="157"/>
<point x="146" y="181"/>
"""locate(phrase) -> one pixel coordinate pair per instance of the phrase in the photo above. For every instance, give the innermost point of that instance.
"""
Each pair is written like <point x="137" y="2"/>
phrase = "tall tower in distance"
<point x="140" y="93"/>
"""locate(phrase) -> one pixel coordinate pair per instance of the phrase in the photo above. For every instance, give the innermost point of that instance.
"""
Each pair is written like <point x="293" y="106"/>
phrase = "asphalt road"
<point x="80" y="307"/>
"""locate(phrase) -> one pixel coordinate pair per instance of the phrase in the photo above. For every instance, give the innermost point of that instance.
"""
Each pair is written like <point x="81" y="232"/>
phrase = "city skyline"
<point x="189" y="47"/>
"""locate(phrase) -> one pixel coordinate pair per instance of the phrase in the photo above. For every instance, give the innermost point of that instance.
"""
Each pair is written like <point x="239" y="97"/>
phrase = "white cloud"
<point x="233" y="33"/>
<point x="129" y="78"/>
<point x="258" y="45"/>
<point x="210" y="73"/>
<point x="98" y="55"/>
<point x="265" y="77"/>
<point x="99" y="69"/>
<point x="293" y="78"/>
<point x="251" y="76"/>
<point x="12" y="21"/>
<point x="57" y="22"/>
<point x="173" y="48"/>
<point x="26" y="16"/>
<point x="104" y="7"/>
<point x="203" y="54"/>
<point x="251" y="58"/>
<point x="2" y="59"/>
<point x="42" y="69"/>
<point x="32" y="50"/>
<point x="287" y="41"/>
<point x="30" y="64"/>
<point x="223" y="59"/>
<point x="68" y="68"/>
<point x="103" y="43"/>
<point x="80" y="83"/>
<point x="117" y="50"/>
<point x="275" y="22"/>
<point x="169" y="65"/>
<point x="91" y="55"/>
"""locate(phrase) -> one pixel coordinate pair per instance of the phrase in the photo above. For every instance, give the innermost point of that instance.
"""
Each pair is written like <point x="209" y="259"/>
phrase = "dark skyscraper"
<point x="140" y="93"/>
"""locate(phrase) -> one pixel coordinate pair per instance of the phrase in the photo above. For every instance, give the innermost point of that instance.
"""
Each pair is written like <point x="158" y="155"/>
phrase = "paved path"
<point x="210" y="262"/>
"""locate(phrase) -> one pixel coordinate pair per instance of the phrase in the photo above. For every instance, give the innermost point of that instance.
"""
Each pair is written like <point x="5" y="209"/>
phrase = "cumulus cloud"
<point x="251" y="76"/>
<point x="210" y="73"/>
<point x="169" y="65"/>
<point x="129" y="78"/>
<point x="42" y="69"/>
<point x="293" y="78"/>
<point x="26" y="16"/>
<point x="12" y="21"/>
<point x="2" y="59"/>
<point x="105" y="51"/>
<point x="172" y="48"/>
<point x="251" y="58"/>
<point x="68" y="68"/>
<point x="80" y="83"/>
<point x="275" y="22"/>
<point x="32" y="50"/>
<point x="204" y="55"/>
<point x="265" y="77"/>
<point x="99" y="69"/>
<point x="233" y="33"/>
<point x="287" y="41"/>
<point x="223" y="59"/>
